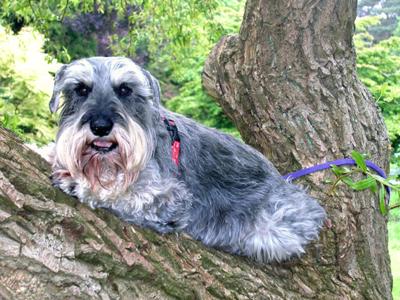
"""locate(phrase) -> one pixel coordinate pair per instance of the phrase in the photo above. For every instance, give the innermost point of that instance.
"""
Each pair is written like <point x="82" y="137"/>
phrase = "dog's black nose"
<point x="101" y="126"/>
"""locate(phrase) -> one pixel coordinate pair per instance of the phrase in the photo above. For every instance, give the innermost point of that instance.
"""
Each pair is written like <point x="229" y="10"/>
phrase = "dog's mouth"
<point x="103" y="146"/>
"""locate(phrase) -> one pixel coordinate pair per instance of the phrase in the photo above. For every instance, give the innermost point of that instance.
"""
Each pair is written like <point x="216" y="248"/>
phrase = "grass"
<point x="394" y="250"/>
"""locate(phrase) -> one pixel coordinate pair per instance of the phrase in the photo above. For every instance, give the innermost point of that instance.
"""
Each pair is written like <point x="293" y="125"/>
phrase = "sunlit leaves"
<point x="378" y="66"/>
<point x="176" y="35"/>
<point x="25" y="86"/>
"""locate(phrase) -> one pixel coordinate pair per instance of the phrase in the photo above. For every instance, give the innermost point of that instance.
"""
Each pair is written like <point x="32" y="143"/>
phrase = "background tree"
<point x="25" y="87"/>
<point x="387" y="10"/>
<point x="378" y="65"/>
<point x="156" y="35"/>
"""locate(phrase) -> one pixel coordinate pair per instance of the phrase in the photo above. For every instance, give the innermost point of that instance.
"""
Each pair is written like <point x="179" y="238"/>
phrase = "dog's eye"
<point x="82" y="90"/>
<point x="123" y="90"/>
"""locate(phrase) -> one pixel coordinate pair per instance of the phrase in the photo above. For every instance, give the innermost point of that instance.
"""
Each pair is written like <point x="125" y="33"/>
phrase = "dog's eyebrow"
<point x="125" y="71"/>
<point x="79" y="72"/>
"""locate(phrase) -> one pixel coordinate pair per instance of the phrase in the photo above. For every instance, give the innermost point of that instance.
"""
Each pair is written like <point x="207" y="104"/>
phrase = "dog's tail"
<point x="283" y="228"/>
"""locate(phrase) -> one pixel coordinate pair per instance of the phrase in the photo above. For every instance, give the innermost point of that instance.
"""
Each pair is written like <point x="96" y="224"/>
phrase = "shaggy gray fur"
<point x="223" y="193"/>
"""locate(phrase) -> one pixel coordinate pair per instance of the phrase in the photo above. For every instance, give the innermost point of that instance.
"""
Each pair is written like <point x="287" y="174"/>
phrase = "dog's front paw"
<point x="63" y="180"/>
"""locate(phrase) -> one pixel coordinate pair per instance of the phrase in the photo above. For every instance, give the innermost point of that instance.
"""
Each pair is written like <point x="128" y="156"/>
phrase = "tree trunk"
<point x="52" y="247"/>
<point x="289" y="83"/>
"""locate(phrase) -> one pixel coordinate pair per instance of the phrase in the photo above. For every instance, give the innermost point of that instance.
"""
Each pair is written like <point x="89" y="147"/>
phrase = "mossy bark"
<point x="52" y="247"/>
<point x="289" y="83"/>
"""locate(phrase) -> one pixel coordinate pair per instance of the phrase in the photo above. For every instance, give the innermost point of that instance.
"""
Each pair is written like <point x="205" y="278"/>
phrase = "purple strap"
<point x="338" y="162"/>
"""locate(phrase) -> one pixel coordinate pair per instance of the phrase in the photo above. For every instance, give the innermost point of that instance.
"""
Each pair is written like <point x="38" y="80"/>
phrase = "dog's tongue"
<point x="102" y="143"/>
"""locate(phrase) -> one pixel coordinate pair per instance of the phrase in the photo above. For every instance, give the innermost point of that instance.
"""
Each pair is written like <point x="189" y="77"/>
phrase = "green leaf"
<point x="364" y="184"/>
<point x="382" y="203"/>
<point x="385" y="182"/>
<point x="348" y="181"/>
<point x="339" y="170"/>
<point x="374" y="187"/>
<point x="394" y="197"/>
<point x="359" y="159"/>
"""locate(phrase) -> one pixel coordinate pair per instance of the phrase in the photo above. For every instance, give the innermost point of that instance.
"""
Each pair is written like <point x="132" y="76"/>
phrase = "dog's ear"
<point x="55" y="98"/>
<point x="154" y="85"/>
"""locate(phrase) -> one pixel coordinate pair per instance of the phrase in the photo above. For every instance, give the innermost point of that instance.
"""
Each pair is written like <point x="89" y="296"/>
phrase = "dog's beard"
<point x="112" y="163"/>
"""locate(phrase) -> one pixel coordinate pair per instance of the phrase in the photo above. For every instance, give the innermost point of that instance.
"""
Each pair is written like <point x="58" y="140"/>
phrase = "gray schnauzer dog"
<point x="113" y="150"/>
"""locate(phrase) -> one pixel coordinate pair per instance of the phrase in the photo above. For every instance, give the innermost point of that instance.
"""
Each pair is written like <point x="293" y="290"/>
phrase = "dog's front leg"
<point x="166" y="208"/>
<point x="63" y="180"/>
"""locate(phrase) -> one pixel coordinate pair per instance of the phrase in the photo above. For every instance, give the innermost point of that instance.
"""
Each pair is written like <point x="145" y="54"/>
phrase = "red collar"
<point x="175" y="139"/>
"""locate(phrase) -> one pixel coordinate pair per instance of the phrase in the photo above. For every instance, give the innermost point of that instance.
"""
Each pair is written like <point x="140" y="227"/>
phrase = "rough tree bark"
<point x="51" y="247"/>
<point x="289" y="82"/>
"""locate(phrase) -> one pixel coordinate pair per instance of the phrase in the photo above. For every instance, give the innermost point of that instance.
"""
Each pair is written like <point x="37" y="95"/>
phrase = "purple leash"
<point x="338" y="162"/>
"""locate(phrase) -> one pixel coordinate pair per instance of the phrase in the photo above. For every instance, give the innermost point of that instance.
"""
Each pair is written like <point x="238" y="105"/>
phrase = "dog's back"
<point x="241" y="204"/>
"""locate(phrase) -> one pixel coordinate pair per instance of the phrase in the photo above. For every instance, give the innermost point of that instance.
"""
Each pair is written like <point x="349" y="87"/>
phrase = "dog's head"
<point x="105" y="135"/>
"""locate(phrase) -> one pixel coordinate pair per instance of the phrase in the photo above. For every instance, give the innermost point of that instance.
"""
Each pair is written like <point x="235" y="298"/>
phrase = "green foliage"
<point x="178" y="54"/>
<point x="370" y="180"/>
<point x="396" y="32"/>
<point x="395" y="203"/>
<point x="388" y="12"/>
<point x="66" y="44"/>
<point x="378" y="66"/>
<point x="48" y="17"/>
<point x="391" y="7"/>
<point x="25" y="86"/>
<point x="362" y="3"/>
<point x="177" y="34"/>
<point x="192" y="101"/>
<point x="364" y="23"/>
<point x="394" y="251"/>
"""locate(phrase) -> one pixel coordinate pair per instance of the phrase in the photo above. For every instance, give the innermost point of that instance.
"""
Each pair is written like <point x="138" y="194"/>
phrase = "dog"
<point x="118" y="148"/>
